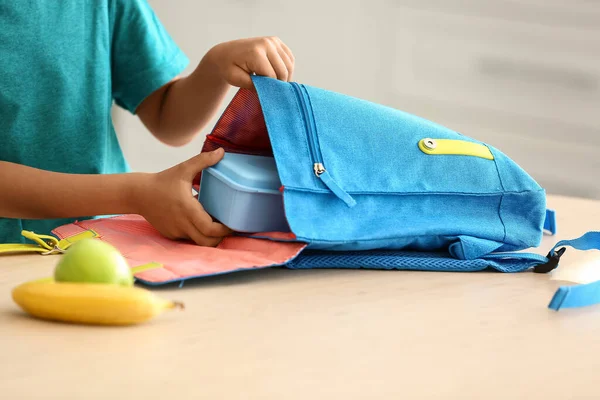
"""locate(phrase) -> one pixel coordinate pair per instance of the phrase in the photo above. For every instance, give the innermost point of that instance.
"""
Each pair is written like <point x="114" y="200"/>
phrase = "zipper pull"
<point x="322" y="174"/>
<point x="319" y="169"/>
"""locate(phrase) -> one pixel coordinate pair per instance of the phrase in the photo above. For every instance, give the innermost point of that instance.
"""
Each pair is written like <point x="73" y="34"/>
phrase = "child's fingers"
<point x="215" y="229"/>
<point x="287" y="51"/>
<point x="240" y="77"/>
<point x="261" y="66"/>
<point x="205" y="224"/>
<point x="278" y="64"/>
<point x="195" y="235"/>
<point x="204" y="160"/>
<point x="289" y="64"/>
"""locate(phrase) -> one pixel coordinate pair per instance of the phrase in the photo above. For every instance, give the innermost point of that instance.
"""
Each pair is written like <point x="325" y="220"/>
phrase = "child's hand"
<point x="235" y="61"/>
<point x="166" y="201"/>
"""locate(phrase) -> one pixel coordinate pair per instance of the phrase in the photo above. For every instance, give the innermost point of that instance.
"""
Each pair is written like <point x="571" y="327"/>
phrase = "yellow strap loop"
<point x="454" y="147"/>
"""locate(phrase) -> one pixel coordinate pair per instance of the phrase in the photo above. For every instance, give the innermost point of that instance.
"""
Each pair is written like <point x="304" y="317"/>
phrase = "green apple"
<point x="93" y="261"/>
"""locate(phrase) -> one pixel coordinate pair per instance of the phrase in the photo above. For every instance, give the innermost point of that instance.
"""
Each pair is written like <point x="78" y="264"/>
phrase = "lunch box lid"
<point x="248" y="172"/>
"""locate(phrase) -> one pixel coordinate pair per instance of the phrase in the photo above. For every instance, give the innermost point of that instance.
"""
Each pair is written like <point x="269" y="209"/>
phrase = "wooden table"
<point x="321" y="334"/>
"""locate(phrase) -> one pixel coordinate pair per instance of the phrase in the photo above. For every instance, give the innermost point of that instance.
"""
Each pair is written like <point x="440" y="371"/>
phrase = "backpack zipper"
<point x="315" y="150"/>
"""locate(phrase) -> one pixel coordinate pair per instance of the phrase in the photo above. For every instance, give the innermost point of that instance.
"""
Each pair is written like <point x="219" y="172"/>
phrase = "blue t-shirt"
<point x="62" y="64"/>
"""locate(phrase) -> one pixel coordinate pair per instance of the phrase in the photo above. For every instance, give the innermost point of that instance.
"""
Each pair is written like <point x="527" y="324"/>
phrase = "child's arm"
<point x="164" y="199"/>
<point x="179" y="110"/>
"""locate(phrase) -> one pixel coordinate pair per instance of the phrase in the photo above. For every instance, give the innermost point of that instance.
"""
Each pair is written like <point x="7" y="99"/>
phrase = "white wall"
<point x="523" y="76"/>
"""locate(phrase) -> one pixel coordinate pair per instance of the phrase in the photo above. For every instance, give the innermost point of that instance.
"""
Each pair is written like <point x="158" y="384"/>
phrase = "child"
<point x="62" y="63"/>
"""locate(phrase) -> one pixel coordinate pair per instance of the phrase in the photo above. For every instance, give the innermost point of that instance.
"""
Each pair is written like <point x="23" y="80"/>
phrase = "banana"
<point x="90" y="303"/>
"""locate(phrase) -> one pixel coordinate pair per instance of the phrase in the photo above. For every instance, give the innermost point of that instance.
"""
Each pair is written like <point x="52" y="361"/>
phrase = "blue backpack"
<point x="368" y="186"/>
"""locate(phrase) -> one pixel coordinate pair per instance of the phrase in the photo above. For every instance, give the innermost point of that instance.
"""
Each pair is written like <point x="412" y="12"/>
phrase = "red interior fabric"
<point x="241" y="128"/>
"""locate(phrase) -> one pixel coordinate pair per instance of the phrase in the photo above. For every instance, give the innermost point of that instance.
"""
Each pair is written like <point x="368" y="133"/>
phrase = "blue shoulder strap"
<point x="550" y="221"/>
<point x="576" y="295"/>
<point x="566" y="296"/>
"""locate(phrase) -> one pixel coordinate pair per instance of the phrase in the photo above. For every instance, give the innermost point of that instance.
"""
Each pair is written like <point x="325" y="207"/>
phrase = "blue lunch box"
<point x="242" y="192"/>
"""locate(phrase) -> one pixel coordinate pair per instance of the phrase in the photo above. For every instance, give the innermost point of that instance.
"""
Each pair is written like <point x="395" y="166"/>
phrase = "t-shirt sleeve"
<point x="144" y="56"/>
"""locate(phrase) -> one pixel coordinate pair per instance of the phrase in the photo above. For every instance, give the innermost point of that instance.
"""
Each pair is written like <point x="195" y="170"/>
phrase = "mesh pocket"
<point x="241" y="128"/>
<point x="404" y="260"/>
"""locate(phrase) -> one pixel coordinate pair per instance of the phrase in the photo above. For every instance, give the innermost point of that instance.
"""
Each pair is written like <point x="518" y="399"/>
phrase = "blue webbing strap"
<point x="550" y="221"/>
<point x="577" y="295"/>
<point x="525" y="257"/>
<point x="566" y="296"/>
